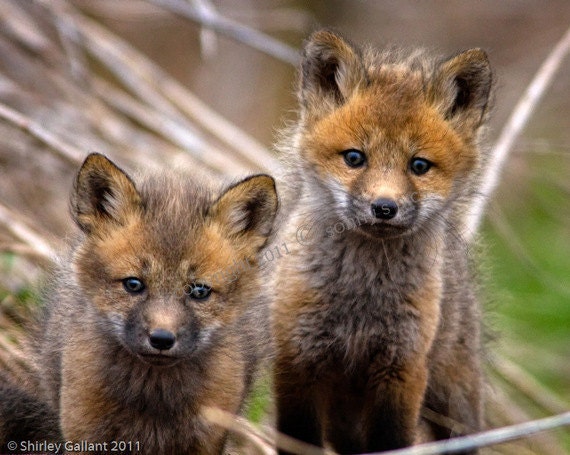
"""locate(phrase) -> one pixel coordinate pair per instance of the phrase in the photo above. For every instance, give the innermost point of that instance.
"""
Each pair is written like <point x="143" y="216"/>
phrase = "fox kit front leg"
<point x="386" y="419"/>
<point x="395" y="390"/>
<point x="296" y="412"/>
<point x="294" y="398"/>
<point x="394" y="411"/>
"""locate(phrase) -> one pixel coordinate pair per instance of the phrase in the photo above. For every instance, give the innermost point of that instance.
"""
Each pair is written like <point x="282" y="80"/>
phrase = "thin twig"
<point x="12" y="356"/>
<point x="512" y="130"/>
<point x="75" y="56"/>
<point x="13" y="350"/>
<point x="208" y="38"/>
<point x="267" y="441"/>
<point x="528" y="385"/>
<point x="289" y="444"/>
<point x="443" y="421"/>
<point x="159" y="90"/>
<point x="65" y="151"/>
<point x="22" y="27"/>
<point x="503" y="410"/>
<point x="111" y="129"/>
<point x="18" y="228"/>
<point x="234" y="30"/>
<point x="455" y="445"/>
<point x="24" y="251"/>
<point x="542" y="358"/>
<point x="170" y="130"/>
<point x="239" y="426"/>
<point x="505" y="407"/>
<point x="487" y="438"/>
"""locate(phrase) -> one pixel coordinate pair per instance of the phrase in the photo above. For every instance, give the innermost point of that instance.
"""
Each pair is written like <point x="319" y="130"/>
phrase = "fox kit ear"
<point x="331" y="70"/>
<point x="102" y="192"/>
<point x="463" y="86"/>
<point x="246" y="210"/>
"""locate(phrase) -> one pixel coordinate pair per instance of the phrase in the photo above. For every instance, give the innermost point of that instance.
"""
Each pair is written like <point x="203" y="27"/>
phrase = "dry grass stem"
<point x="239" y="426"/>
<point x="22" y="27"/>
<point x="526" y="384"/>
<point x="203" y="151"/>
<point x="161" y="92"/>
<point x="65" y="151"/>
<point x="231" y="29"/>
<point x="504" y="407"/>
<point x="69" y="86"/>
<point x="208" y="38"/>
<point x="12" y="221"/>
<point x="487" y="438"/>
<point x="511" y="131"/>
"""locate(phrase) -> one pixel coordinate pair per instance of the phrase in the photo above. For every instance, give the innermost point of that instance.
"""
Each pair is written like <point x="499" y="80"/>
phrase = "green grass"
<point x="24" y="294"/>
<point x="260" y="400"/>
<point x="529" y="279"/>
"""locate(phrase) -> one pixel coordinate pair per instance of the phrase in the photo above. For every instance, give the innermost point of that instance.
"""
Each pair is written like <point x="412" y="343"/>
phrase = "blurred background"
<point x="147" y="84"/>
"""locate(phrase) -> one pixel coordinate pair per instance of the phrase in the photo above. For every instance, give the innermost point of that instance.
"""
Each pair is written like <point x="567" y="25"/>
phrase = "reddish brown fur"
<point x="379" y="318"/>
<point x="370" y="122"/>
<point x="102" y="373"/>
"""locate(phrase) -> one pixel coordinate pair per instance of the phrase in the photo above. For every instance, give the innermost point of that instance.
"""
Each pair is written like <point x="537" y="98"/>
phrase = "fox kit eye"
<point x="420" y="166"/>
<point x="198" y="291"/>
<point x="354" y="158"/>
<point x="133" y="285"/>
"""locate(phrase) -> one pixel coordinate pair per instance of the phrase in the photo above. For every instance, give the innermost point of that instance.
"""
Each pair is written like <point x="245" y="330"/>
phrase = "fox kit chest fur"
<point x="374" y="312"/>
<point x="143" y="329"/>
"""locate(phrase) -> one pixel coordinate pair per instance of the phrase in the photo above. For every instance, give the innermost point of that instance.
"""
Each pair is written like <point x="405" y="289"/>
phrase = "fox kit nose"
<point x="385" y="209"/>
<point x="162" y="339"/>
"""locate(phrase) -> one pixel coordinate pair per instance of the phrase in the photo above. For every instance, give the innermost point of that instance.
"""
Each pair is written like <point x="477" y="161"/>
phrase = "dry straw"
<point x="55" y="107"/>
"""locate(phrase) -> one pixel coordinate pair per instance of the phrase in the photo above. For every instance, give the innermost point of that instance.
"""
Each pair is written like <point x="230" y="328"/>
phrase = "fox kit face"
<point x="391" y="143"/>
<point x="154" y="260"/>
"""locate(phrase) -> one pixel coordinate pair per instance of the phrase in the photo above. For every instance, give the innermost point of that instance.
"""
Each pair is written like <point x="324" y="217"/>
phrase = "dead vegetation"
<point x="69" y="86"/>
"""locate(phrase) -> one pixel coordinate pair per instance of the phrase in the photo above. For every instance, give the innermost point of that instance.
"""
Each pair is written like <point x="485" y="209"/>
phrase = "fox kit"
<point x="374" y="310"/>
<point x="142" y="329"/>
